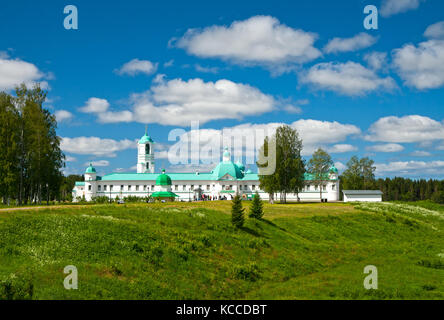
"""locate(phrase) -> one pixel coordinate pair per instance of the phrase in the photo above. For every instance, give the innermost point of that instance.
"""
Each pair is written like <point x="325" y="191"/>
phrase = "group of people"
<point x="205" y="197"/>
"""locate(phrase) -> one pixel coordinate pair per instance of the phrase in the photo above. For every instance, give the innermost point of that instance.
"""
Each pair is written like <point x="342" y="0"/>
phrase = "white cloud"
<point x="407" y="129"/>
<point x="388" y="147"/>
<point x="435" y="31"/>
<point x="341" y="148"/>
<point x="392" y="7"/>
<point x="13" y="72"/>
<point x="340" y="166"/>
<point x="257" y="40"/>
<point x="410" y="168"/>
<point x="421" y="67"/>
<point x="178" y="102"/>
<point x="376" y="60"/>
<point x="95" y="105"/>
<point x="70" y="159"/>
<point x="360" y="41"/>
<point x="98" y="163"/>
<point x="63" y="115"/>
<point x="418" y="153"/>
<point x="200" y="68"/>
<point x="348" y="78"/>
<point x="168" y="63"/>
<point x="95" y="146"/>
<point x="137" y="66"/>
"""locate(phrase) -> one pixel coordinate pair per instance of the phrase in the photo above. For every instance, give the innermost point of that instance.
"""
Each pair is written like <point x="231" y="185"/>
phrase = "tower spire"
<point x="146" y="129"/>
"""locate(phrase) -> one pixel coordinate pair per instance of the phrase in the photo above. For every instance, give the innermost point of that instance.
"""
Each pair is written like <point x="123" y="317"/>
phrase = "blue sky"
<point x="310" y="64"/>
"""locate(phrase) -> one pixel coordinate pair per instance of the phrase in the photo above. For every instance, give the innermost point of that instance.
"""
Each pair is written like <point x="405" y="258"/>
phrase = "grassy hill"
<point x="191" y="251"/>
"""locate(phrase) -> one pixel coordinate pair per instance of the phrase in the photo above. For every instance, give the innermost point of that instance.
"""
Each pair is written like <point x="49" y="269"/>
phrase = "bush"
<point x="237" y="212"/>
<point x="16" y="287"/>
<point x="257" y="207"/>
<point x="249" y="272"/>
<point x="438" y="197"/>
<point x="101" y="199"/>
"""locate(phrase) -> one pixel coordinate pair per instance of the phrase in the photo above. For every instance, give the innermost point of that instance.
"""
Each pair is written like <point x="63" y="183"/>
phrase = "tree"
<point x="359" y="175"/>
<point x="288" y="175"/>
<point x="319" y="166"/>
<point x="237" y="212"/>
<point x="257" y="207"/>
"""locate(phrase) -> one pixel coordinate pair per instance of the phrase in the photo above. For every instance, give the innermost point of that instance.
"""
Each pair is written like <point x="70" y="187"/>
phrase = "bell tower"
<point x="145" y="154"/>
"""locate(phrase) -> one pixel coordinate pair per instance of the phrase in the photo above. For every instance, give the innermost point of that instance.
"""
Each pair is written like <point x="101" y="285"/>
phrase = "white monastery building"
<point x="223" y="182"/>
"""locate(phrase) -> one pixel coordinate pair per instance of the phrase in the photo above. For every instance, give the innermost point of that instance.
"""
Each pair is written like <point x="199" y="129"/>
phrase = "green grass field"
<point x="191" y="251"/>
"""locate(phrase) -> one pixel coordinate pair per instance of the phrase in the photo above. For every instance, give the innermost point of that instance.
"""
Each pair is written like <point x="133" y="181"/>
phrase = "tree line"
<point x="30" y="159"/>
<point x="283" y="152"/>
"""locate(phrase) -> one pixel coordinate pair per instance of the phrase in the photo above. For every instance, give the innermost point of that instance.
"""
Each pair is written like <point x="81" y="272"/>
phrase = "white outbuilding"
<point x="362" y="195"/>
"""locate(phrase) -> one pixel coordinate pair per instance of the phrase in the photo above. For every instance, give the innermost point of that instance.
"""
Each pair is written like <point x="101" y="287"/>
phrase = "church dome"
<point x="240" y="166"/>
<point x="163" y="179"/>
<point x="145" y="139"/>
<point x="90" y="169"/>
<point x="333" y="169"/>
<point x="227" y="167"/>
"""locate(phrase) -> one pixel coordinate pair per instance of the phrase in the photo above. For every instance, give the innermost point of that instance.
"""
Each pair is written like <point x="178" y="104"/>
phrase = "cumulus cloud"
<point x="341" y="148"/>
<point x="388" y="147"/>
<point x="376" y="60"/>
<point x="203" y="69"/>
<point x="13" y="72"/>
<point x="348" y="78"/>
<point x="137" y="66"/>
<point x="340" y="166"/>
<point x="392" y="7"/>
<point x="421" y="67"/>
<point x="95" y="146"/>
<point x="178" y="102"/>
<point x="257" y="40"/>
<point x="63" y="115"/>
<point x="360" y="41"/>
<point x="95" y="105"/>
<point x="435" y="31"/>
<point x="419" y="153"/>
<point x="410" y="168"/>
<point x="407" y="129"/>
<point x="98" y="163"/>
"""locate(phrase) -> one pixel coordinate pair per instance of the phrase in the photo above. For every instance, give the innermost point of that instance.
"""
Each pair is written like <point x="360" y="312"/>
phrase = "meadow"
<point x="191" y="251"/>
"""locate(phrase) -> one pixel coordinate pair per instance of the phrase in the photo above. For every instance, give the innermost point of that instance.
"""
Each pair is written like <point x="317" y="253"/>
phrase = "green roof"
<point x="164" y="194"/>
<point x="80" y="183"/>
<point x="227" y="167"/>
<point x="163" y="179"/>
<point x="146" y="138"/>
<point x="90" y="169"/>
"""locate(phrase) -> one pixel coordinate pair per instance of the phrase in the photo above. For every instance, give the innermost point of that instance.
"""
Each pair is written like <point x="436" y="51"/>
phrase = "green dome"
<point x="90" y="169"/>
<point x="163" y="179"/>
<point x="240" y="166"/>
<point x="333" y="169"/>
<point x="145" y="139"/>
<point x="227" y="167"/>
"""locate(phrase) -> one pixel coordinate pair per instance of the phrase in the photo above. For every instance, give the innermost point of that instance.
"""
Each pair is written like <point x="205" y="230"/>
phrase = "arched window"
<point x="147" y="165"/>
<point x="147" y="148"/>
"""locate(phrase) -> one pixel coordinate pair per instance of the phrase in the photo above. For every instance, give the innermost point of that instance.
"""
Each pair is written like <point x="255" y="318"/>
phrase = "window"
<point x="152" y="187"/>
<point x="121" y="188"/>
<point x="184" y="187"/>
<point x="316" y="188"/>
<point x="192" y="186"/>
<point x="147" y="165"/>
<point x="129" y="188"/>
<point x="104" y="187"/>
<point x="89" y="188"/>
<point x="208" y="187"/>
<point x="240" y="187"/>
<point x="333" y="187"/>
<point x="144" y="187"/>
<point x="245" y="187"/>
<point x="137" y="188"/>
<point x="111" y="188"/>
<point x="176" y="187"/>
<point x="324" y="188"/>
<point x="253" y="187"/>
<point x="147" y="151"/>
<point x="99" y="188"/>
